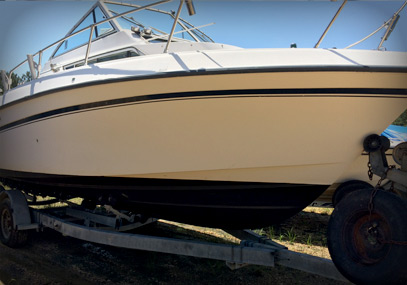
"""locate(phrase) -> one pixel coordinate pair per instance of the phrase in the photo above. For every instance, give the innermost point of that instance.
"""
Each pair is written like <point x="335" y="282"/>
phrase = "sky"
<point x="28" y="26"/>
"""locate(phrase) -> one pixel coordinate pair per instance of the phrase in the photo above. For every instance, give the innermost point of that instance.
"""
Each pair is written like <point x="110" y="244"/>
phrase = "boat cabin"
<point x="111" y="31"/>
<point x="108" y="32"/>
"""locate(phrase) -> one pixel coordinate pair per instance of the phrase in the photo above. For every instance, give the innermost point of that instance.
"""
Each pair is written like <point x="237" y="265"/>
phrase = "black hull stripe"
<point x="314" y="92"/>
<point x="225" y="71"/>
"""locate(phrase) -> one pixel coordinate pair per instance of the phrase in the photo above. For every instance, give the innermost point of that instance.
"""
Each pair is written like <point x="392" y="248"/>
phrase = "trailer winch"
<point x="367" y="233"/>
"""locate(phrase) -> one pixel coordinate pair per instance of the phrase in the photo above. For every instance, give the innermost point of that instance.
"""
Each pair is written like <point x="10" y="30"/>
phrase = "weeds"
<point x="309" y="240"/>
<point x="291" y="236"/>
<point x="271" y="233"/>
<point x="259" y="232"/>
<point x="319" y="210"/>
<point x="308" y="228"/>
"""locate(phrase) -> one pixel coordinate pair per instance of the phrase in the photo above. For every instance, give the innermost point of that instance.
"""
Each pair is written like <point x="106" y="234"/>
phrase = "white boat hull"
<point x="228" y="148"/>
<point x="154" y="128"/>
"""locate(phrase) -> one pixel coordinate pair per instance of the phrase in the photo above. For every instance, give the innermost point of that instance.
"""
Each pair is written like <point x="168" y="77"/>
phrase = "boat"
<point x="188" y="129"/>
<point x="358" y="170"/>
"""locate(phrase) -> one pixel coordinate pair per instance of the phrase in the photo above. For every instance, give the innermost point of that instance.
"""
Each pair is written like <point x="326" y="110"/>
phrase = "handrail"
<point x="86" y="28"/>
<point x="176" y="33"/>
<point x="330" y="24"/>
<point x="390" y="28"/>
<point x="179" y="22"/>
<point x="181" y="2"/>
<point x="136" y="6"/>
<point x="381" y="27"/>
<point x="89" y="44"/>
<point x="182" y="22"/>
<point x="368" y="36"/>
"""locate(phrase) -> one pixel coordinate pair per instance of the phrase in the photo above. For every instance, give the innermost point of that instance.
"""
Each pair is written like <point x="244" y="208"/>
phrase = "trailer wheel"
<point x="346" y="188"/>
<point x="368" y="249"/>
<point x="8" y="235"/>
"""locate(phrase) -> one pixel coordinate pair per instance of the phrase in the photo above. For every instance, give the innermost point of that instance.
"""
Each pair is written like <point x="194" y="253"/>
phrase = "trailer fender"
<point x="20" y="210"/>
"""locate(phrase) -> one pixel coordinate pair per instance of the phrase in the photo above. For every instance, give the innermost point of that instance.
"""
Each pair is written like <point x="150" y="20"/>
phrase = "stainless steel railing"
<point x="35" y="68"/>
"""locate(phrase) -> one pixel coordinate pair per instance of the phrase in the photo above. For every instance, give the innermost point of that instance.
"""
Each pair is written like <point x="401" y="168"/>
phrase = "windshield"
<point x="95" y="16"/>
<point x="154" y="25"/>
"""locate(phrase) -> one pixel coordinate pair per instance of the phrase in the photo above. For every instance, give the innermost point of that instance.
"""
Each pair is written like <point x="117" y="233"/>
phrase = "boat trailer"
<point x="367" y="231"/>
<point x="366" y="244"/>
<point x="17" y="216"/>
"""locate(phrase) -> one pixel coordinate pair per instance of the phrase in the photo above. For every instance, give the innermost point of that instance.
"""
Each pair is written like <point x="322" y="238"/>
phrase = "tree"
<point x="402" y="120"/>
<point x="16" y="80"/>
<point x="26" y="77"/>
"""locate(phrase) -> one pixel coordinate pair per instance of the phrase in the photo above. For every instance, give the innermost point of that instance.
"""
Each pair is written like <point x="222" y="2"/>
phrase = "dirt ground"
<point x="50" y="258"/>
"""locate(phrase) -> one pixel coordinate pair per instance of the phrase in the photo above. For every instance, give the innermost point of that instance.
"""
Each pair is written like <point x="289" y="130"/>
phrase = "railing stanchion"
<point x="173" y="26"/>
<point x="89" y="44"/>
<point x="91" y="27"/>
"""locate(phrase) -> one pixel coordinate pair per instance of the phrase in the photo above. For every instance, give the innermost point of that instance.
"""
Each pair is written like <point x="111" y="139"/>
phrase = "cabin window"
<point x="129" y="53"/>
<point x="105" y="57"/>
<point x="95" y="16"/>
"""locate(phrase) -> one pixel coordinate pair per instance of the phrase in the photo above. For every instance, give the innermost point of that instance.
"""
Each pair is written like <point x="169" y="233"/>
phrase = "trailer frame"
<point x="107" y="229"/>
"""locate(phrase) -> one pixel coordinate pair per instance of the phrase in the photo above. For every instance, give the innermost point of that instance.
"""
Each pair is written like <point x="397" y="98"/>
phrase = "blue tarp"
<point x="396" y="134"/>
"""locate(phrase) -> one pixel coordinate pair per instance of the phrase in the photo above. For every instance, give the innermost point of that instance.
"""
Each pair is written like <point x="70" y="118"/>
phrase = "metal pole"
<point x="31" y="65"/>
<point x="191" y="29"/>
<point x="330" y="24"/>
<point x="5" y="81"/>
<point x="387" y="32"/>
<point x="188" y="31"/>
<point x="389" y="29"/>
<point x="39" y="63"/>
<point x="381" y="27"/>
<point x="174" y="25"/>
<point x="365" y="38"/>
<point x="89" y="44"/>
<point x="84" y="29"/>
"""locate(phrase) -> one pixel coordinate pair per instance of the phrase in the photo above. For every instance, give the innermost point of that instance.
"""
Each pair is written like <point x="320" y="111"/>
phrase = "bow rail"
<point x="35" y="68"/>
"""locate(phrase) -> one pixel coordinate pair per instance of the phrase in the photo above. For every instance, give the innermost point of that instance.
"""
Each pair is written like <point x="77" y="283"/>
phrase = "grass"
<point x="305" y="232"/>
<point x="309" y="240"/>
<point x="5" y="186"/>
<point x="40" y="199"/>
<point x="77" y="201"/>
<point x="271" y="233"/>
<point x="319" y="210"/>
<point x="291" y="236"/>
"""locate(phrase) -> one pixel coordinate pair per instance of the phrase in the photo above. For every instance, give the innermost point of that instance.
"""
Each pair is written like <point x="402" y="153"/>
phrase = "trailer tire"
<point x="346" y="188"/>
<point x="356" y="239"/>
<point x="8" y="234"/>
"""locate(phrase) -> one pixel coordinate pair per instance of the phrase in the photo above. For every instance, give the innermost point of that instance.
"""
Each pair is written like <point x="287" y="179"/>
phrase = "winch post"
<point x="376" y="148"/>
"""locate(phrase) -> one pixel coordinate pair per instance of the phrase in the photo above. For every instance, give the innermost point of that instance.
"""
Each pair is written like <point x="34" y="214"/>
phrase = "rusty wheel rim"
<point x="6" y="223"/>
<point x="364" y="236"/>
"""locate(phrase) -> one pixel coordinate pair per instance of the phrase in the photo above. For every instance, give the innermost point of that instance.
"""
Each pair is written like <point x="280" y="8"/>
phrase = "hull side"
<point x="264" y="135"/>
<point x="233" y="140"/>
